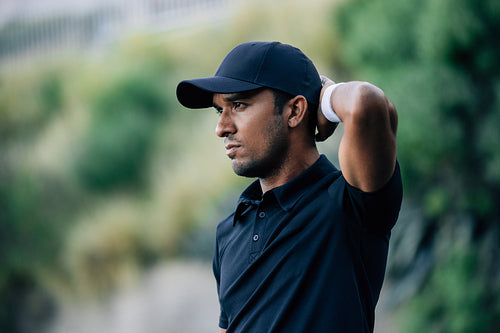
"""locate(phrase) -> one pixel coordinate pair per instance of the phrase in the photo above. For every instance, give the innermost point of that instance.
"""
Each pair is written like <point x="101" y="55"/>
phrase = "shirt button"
<point x="262" y="215"/>
<point x="255" y="237"/>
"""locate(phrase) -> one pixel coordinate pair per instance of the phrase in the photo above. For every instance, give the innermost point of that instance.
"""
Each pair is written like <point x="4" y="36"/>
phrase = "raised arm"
<point x="367" y="151"/>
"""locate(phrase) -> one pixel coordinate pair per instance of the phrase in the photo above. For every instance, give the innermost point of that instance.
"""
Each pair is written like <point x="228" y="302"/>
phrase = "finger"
<point x="320" y="138"/>
<point x="325" y="131"/>
<point x="325" y="80"/>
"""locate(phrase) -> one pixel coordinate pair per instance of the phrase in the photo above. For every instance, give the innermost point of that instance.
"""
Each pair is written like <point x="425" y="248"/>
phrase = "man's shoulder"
<point x="225" y="226"/>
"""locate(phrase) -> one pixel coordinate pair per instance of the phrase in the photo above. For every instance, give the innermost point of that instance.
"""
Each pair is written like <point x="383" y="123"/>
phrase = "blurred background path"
<point x="174" y="297"/>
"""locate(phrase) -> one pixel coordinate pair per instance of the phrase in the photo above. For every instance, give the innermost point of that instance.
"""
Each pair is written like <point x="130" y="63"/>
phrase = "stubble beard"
<point x="272" y="157"/>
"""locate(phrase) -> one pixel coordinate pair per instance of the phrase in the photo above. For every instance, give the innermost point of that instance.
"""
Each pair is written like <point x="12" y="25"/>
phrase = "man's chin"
<point x="242" y="169"/>
<point x="250" y="169"/>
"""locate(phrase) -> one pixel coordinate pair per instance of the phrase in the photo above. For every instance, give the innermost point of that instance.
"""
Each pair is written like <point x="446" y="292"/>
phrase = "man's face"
<point x="255" y="135"/>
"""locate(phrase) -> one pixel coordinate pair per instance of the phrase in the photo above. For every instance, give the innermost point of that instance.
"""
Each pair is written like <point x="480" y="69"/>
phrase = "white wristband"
<point x="326" y="104"/>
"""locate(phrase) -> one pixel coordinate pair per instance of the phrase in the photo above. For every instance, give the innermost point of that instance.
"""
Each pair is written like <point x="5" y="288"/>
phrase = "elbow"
<point x="369" y="99"/>
<point x="371" y="106"/>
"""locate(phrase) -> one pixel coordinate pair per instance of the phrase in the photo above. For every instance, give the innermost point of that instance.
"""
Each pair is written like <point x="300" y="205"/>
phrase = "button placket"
<point x="259" y="229"/>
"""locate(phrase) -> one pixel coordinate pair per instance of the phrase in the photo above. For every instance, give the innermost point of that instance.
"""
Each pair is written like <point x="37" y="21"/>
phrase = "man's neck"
<point x="291" y="168"/>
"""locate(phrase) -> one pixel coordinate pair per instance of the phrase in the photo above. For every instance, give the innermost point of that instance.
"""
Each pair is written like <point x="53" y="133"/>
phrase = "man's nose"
<point x="225" y="125"/>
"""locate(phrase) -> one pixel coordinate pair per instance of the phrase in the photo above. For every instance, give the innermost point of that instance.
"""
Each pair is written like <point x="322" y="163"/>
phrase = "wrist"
<point x="326" y="104"/>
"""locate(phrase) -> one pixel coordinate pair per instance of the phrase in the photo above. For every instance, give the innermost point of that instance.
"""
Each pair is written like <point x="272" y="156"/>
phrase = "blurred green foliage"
<point x="24" y="112"/>
<point x="438" y="62"/>
<point x="455" y="298"/>
<point x="87" y="147"/>
<point x="102" y="173"/>
<point x="124" y="123"/>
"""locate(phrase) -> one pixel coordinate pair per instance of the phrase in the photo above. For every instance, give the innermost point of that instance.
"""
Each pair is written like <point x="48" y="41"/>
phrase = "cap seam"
<point x="258" y="74"/>
<point x="241" y="80"/>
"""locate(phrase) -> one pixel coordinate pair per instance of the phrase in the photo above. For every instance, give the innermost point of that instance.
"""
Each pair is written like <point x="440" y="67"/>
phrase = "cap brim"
<point x="198" y="93"/>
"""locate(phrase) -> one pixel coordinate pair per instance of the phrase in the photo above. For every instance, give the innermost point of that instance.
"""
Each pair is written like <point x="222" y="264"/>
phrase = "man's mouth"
<point x="231" y="149"/>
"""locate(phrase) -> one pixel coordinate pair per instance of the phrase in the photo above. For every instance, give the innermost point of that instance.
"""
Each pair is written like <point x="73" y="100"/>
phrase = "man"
<point x="306" y="248"/>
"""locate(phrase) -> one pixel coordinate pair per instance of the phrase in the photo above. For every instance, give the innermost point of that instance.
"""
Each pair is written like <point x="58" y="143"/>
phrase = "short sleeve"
<point x="378" y="210"/>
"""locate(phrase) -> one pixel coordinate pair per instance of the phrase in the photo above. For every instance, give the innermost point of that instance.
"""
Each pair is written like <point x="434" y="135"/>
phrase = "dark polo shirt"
<point x="308" y="256"/>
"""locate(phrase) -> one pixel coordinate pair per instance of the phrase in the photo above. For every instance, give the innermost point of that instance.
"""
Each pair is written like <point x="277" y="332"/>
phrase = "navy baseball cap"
<point x="251" y="66"/>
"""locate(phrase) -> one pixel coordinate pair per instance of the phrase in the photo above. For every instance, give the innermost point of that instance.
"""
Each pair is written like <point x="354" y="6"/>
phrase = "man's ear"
<point x="298" y="111"/>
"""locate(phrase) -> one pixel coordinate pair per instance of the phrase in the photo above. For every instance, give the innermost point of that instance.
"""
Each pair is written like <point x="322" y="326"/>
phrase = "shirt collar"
<point x="288" y="194"/>
<point x="249" y="198"/>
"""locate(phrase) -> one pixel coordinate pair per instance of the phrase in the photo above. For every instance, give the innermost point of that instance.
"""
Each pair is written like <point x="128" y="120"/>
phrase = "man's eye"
<point x="238" y="105"/>
<point x="218" y="111"/>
